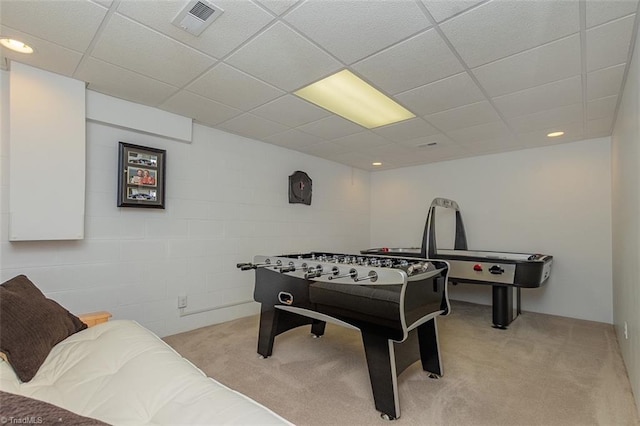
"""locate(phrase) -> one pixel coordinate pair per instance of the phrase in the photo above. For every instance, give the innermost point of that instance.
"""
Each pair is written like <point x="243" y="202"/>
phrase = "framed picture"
<point x="141" y="176"/>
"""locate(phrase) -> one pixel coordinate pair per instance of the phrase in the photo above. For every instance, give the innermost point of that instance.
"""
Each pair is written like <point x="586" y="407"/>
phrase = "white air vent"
<point x="196" y="16"/>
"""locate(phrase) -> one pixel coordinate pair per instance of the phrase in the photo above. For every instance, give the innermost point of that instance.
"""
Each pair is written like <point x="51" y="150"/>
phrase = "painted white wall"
<point x="626" y="222"/>
<point x="553" y="200"/>
<point x="227" y="200"/>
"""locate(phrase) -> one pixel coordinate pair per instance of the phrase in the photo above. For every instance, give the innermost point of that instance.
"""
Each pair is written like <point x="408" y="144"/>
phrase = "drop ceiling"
<point x="480" y="76"/>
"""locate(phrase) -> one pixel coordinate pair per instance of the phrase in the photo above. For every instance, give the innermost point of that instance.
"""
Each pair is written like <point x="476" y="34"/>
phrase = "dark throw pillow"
<point x="30" y="325"/>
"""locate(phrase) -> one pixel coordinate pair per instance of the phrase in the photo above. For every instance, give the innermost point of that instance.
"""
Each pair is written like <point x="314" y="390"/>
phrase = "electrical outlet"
<point x="182" y="301"/>
<point x="626" y="331"/>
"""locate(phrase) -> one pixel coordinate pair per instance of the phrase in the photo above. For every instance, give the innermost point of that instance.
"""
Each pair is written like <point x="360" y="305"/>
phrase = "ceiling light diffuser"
<point x="350" y="97"/>
<point x="377" y="163"/>
<point x="15" y="45"/>
<point x="555" y="134"/>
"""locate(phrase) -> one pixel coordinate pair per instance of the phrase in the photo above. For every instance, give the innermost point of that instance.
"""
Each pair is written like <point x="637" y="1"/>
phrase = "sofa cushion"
<point x="21" y="409"/>
<point x="31" y="325"/>
<point x="121" y="373"/>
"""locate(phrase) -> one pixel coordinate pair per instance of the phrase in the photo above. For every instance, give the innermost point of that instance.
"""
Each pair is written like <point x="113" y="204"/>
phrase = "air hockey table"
<point x="506" y="272"/>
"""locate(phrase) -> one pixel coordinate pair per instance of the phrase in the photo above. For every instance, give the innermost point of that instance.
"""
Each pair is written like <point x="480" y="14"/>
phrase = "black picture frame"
<point x="141" y="176"/>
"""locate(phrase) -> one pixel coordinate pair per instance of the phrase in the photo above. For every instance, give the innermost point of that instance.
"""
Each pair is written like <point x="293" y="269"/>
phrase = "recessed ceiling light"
<point x="555" y="134"/>
<point x="377" y="163"/>
<point x="350" y="97"/>
<point x="16" y="45"/>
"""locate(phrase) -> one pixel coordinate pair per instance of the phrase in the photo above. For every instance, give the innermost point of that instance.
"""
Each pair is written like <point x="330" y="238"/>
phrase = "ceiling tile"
<point x="71" y="24"/>
<point x="47" y="55"/>
<point x="603" y="107"/>
<point x="291" y="111"/>
<point x="284" y="59"/>
<point x="555" y="117"/>
<point x="104" y="77"/>
<point x="544" y="141"/>
<point x="331" y="127"/>
<point x="487" y="146"/>
<point x="252" y="126"/>
<point x="444" y="9"/>
<point x="154" y="55"/>
<point x="385" y="166"/>
<point x="437" y="153"/>
<point x="464" y="116"/>
<point x="389" y="152"/>
<point x="441" y="95"/>
<point x="608" y="44"/>
<point x="481" y="132"/>
<point x="420" y="60"/>
<point x="293" y="139"/>
<point x="354" y="29"/>
<point x="599" y="12"/>
<point x="278" y="6"/>
<point x="605" y="82"/>
<point x="406" y="130"/>
<point x="599" y="127"/>
<point x="232" y="87"/>
<point x="361" y="141"/>
<point x="201" y="109"/>
<point x="440" y="140"/>
<point x="572" y="132"/>
<point x="105" y="3"/>
<point x="323" y="149"/>
<point x="553" y="61"/>
<point x="392" y="157"/>
<point x="239" y="21"/>
<point x="359" y="161"/>
<point x="547" y="96"/>
<point x="497" y="29"/>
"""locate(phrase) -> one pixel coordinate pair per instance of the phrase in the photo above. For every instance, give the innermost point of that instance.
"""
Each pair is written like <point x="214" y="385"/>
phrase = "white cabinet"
<point x="46" y="155"/>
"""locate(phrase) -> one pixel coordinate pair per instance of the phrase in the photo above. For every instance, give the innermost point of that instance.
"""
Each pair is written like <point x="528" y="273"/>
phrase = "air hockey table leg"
<point x="503" y="305"/>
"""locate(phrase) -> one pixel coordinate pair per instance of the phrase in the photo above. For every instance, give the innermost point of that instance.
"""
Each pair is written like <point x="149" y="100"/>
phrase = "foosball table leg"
<point x="382" y="373"/>
<point x="430" y="349"/>
<point x="275" y="321"/>
<point x="267" y="332"/>
<point x="317" y="328"/>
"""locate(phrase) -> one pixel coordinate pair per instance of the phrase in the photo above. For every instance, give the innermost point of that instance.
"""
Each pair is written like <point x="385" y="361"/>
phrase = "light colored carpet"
<point x="543" y="370"/>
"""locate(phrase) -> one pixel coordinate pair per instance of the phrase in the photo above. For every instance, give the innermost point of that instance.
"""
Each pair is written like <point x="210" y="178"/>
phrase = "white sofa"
<point x="123" y="374"/>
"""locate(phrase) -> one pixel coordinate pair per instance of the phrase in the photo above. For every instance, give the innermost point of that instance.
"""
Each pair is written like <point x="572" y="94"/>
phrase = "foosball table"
<point x="392" y="301"/>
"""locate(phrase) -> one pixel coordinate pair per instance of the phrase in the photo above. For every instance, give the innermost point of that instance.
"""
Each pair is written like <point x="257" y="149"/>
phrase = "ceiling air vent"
<point x="196" y="16"/>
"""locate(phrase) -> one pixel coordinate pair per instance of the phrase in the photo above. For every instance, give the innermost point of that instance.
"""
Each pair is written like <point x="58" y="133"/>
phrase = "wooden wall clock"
<point x="300" y="187"/>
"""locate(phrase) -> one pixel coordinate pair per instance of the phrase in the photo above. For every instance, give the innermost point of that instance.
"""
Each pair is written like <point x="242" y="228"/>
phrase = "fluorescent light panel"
<point x="350" y="97"/>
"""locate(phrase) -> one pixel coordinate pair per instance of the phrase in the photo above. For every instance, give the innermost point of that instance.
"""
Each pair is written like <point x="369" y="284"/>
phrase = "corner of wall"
<point x="625" y="170"/>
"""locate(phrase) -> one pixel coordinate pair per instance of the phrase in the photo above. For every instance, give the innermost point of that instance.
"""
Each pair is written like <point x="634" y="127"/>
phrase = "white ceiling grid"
<point x="481" y="76"/>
